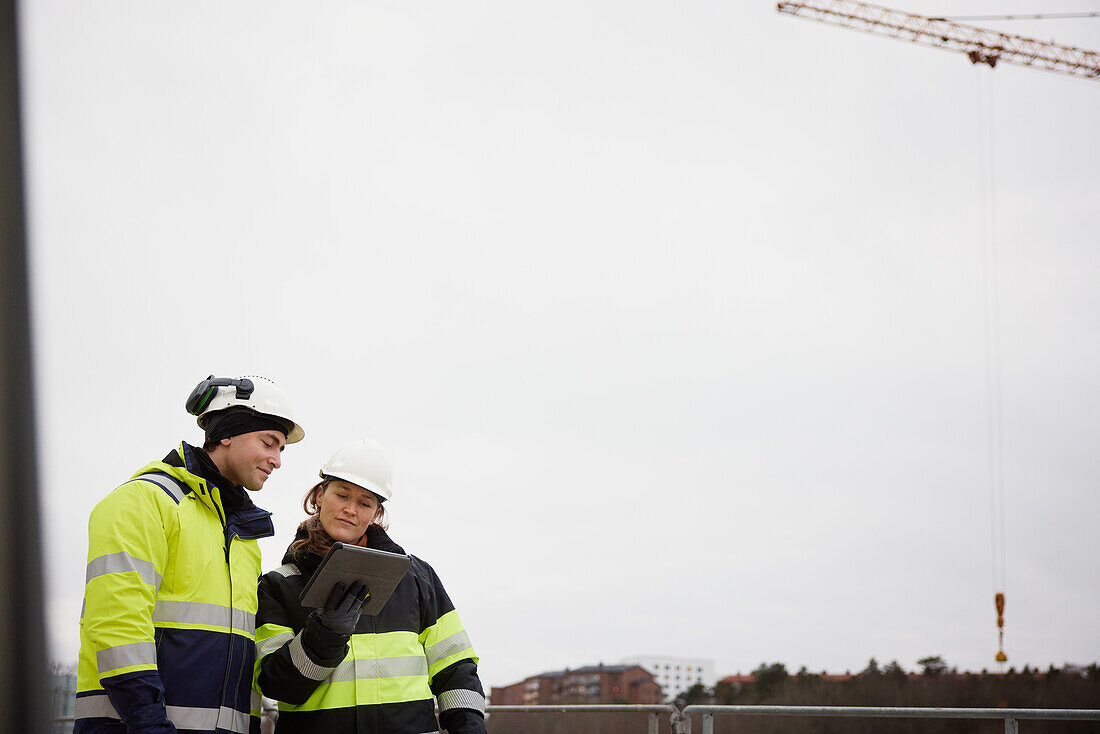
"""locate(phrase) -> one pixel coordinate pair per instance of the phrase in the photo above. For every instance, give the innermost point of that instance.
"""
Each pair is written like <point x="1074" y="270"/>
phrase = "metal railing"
<point x="654" y="710"/>
<point x="1011" y="717"/>
<point x="680" y="720"/>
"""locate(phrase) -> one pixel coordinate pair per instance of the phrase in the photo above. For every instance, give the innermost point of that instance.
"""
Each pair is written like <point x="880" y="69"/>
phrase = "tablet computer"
<point x="379" y="570"/>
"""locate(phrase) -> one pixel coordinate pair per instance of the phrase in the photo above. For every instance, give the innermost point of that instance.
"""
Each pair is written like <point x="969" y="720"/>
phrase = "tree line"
<point x="936" y="685"/>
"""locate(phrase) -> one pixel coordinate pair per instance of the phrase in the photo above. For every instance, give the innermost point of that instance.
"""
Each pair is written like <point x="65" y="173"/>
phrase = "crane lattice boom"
<point x="980" y="45"/>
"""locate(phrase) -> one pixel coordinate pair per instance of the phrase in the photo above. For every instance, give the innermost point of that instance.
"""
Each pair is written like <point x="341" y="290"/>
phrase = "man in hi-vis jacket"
<point x="168" y="626"/>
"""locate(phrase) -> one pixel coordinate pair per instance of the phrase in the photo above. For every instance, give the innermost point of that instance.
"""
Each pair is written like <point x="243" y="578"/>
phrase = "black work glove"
<point x="328" y="629"/>
<point x="343" y="607"/>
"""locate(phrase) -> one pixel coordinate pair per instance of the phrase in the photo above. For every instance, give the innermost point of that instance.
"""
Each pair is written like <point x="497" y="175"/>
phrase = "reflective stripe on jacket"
<point x="168" y="606"/>
<point x="396" y="662"/>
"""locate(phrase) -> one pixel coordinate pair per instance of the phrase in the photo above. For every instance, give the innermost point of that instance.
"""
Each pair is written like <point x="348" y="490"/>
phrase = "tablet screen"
<point x="379" y="570"/>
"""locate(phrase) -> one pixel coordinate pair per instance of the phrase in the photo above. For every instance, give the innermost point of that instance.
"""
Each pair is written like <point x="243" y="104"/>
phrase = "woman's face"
<point x="347" y="510"/>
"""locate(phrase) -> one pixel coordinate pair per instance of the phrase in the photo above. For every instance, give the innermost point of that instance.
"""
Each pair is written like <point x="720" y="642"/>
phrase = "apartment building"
<point x="591" y="684"/>
<point x="674" y="674"/>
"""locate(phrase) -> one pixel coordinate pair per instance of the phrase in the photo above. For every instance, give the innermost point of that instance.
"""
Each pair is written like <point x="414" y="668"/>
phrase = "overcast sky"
<point x="671" y="315"/>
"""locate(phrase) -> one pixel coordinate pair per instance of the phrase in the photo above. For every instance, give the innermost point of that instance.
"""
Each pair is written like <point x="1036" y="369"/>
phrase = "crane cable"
<point x="994" y="400"/>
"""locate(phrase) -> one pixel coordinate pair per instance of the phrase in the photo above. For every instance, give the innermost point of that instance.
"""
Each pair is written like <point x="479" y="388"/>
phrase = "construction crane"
<point x="982" y="46"/>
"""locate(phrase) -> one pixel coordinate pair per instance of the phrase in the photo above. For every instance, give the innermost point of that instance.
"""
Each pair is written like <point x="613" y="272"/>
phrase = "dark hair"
<point x="316" y="539"/>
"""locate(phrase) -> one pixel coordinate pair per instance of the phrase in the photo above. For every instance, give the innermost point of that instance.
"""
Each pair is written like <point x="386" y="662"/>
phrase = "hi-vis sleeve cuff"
<point x="461" y="699"/>
<point x="305" y="666"/>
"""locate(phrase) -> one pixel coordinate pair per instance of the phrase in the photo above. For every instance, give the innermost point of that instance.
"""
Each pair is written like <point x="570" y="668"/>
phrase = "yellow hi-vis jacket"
<point x="168" y="626"/>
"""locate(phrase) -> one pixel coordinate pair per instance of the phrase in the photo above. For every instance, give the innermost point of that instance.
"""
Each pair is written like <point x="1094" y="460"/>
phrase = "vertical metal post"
<point x="679" y="723"/>
<point x="1012" y="726"/>
<point x="708" y="723"/>
<point x="653" y="723"/>
<point x="23" y="682"/>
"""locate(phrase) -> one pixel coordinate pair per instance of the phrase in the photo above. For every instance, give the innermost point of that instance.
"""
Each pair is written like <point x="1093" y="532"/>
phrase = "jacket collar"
<point x="244" y="519"/>
<point x="307" y="560"/>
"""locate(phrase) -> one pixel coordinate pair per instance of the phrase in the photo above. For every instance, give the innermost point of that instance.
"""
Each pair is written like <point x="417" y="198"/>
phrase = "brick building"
<point x="591" y="684"/>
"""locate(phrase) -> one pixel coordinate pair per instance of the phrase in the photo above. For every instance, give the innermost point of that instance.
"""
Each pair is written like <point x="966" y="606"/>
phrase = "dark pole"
<point x="23" y="682"/>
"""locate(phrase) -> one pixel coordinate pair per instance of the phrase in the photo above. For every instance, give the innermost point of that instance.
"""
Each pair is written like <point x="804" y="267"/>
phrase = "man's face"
<point x="250" y="458"/>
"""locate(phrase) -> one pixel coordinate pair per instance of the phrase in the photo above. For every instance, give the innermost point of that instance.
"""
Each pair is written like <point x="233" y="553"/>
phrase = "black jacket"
<point x="385" y="676"/>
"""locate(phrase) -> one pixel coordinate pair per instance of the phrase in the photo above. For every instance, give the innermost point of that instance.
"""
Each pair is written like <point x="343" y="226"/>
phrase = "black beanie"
<point x="235" y="421"/>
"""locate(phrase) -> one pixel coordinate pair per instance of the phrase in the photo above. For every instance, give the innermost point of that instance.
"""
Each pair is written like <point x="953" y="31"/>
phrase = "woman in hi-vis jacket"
<point x="336" y="670"/>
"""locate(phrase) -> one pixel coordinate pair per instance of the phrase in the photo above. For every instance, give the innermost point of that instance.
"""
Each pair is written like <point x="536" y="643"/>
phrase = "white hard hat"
<point x="247" y="391"/>
<point x="365" y="463"/>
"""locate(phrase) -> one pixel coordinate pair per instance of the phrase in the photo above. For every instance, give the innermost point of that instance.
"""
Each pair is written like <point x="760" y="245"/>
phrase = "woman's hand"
<point x="345" y="603"/>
